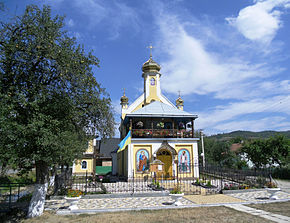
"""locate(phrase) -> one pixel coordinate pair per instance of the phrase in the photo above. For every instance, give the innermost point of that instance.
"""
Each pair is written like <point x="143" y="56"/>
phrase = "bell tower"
<point x="151" y="76"/>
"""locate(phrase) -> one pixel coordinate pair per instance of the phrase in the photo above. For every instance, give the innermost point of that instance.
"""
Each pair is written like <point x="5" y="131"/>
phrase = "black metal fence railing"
<point x="13" y="195"/>
<point x="212" y="179"/>
<point x="250" y="178"/>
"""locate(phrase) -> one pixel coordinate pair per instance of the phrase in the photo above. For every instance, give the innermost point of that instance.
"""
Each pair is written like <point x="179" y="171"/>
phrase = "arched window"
<point x="152" y="81"/>
<point x="84" y="164"/>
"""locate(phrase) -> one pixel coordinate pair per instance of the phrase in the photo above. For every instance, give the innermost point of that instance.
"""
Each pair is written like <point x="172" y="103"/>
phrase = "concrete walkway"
<point x="260" y="213"/>
<point x="128" y="202"/>
<point x="283" y="184"/>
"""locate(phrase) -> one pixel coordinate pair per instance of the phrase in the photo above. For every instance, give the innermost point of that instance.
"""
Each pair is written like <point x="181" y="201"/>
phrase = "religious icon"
<point x="152" y="81"/>
<point x="142" y="160"/>
<point x="184" y="160"/>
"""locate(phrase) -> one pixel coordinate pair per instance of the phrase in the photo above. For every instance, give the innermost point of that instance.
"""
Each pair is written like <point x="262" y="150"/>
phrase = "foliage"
<point x="281" y="173"/>
<point x="74" y="193"/>
<point x="26" y="178"/>
<point x="271" y="184"/>
<point x="218" y="152"/>
<point x="268" y="152"/>
<point x="25" y="198"/>
<point x="231" y="187"/>
<point x="50" y="101"/>
<point x="176" y="190"/>
<point x="208" y="184"/>
<point x="197" y="182"/>
<point x="250" y="135"/>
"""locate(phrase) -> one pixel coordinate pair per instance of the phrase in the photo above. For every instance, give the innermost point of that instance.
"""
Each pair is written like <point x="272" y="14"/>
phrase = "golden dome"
<point x="151" y="66"/>
<point x="124" y="99"/>
<point x="179" y="101"/>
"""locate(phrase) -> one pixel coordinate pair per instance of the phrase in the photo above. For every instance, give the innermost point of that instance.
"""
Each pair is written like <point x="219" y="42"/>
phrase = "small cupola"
<point x="179" y="103"/>
<point x="124" y="101"/>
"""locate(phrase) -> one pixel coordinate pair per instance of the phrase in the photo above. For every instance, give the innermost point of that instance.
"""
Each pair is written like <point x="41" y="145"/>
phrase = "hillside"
<point x="248" y="134"/>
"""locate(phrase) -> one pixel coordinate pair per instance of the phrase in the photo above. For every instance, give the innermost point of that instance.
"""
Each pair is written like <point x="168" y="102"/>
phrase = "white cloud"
<point x="268" y="123"/>
<point x="200" y="70"/>
<point x="223" y="114"/>
<point x="261" y="21"/>
<point x="201" y="59"/>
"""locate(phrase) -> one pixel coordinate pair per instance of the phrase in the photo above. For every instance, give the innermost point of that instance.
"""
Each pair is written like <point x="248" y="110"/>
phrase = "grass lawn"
<point x="200" y="214"/>
<point x="282" y="208"/>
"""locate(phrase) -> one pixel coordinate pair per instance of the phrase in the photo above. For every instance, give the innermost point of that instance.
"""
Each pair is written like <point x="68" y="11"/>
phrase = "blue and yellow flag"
<point x="126" y="141"/>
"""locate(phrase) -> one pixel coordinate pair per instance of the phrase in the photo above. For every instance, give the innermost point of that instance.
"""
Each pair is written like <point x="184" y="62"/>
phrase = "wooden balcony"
<point x="161" y="133"/>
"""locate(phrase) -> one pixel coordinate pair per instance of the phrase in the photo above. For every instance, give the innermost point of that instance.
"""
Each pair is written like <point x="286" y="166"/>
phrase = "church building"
<point x="160" y="131"/>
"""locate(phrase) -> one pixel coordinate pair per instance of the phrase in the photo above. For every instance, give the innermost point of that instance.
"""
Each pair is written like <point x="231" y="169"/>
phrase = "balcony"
<point x="161" y="133"/>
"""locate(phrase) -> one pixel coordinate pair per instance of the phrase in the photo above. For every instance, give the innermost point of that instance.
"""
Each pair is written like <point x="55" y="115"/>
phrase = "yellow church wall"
<point x="152" y="94"/>
<point x="136" y="149"/>
<point x="78" y="166"/>
<point x="189" y="148"/>
<point x="122" y="158"/>
<point x="90" y="148"/>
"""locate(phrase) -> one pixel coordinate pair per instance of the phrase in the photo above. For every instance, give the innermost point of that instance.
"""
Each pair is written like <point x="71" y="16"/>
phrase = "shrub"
<point x="271" y="185"/>
<point x="74" y="193"/>
<point x="176" y="190"/>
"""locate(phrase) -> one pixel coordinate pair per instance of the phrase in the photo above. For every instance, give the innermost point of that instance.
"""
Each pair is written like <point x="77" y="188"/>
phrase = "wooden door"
<point x="166" y="158"/>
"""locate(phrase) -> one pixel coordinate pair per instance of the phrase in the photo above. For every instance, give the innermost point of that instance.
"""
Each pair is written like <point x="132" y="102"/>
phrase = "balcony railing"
<point x="161" y="133"/>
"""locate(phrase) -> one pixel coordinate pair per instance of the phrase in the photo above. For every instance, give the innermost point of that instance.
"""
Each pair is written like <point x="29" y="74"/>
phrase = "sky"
<point x="229" y="59"/>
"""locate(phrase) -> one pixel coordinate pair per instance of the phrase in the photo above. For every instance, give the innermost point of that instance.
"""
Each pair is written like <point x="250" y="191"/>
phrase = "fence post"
<point x="10" y="194"/>
<point x="133" y="181"/>
<point x="86" y="182"/>
<point x="18" y="191"/>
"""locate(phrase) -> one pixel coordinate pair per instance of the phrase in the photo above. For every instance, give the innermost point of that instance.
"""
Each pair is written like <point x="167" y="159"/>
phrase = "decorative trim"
<point x="166" y="146"/>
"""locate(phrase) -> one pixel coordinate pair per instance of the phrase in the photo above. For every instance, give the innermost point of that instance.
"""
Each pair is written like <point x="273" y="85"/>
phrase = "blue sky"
<point x="230" y="59"/>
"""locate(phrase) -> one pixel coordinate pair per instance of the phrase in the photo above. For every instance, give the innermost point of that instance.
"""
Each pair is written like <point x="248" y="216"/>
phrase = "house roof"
<point x="159" y="109"/>
<point x="107" y="146"/>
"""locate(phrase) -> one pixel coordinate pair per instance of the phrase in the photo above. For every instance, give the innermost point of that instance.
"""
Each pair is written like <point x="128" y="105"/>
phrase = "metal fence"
<point x="236" y="178"/>
<point x="212" y="179"/>
<point x="13" y="195"/>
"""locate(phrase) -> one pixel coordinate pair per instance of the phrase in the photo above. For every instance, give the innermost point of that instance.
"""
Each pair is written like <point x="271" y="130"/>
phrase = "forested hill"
<point x="248" y="134"/>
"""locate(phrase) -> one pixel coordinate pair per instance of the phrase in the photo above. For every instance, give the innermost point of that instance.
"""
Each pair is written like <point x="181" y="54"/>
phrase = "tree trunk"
<point x="36" y="205"/>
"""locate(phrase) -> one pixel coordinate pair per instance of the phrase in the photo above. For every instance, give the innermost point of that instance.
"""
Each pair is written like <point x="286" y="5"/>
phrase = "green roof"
<point x="103" y="170"/>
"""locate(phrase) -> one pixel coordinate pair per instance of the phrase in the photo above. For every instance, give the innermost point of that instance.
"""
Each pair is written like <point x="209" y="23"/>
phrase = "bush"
<point x="74" y="193"/>
<point x="176" y="190"/>
<point x="281" y="173"/>
<point x="25" y="198"/>
<point x="28" y="178"/>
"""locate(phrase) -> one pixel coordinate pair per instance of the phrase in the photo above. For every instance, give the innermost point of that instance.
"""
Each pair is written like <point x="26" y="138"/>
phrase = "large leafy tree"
<point x="268" y="152"/>
<point x="50" y="102"/>
<point x="218" y="152"/>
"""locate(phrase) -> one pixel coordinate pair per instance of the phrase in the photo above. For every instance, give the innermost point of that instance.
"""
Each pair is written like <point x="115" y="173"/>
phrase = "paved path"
<point x="128" y="202"/>
<point x="108" y="203"/>
<point x="259" y="195"/>
<point x="284" y="185"/>
<point x="260" y="213"/>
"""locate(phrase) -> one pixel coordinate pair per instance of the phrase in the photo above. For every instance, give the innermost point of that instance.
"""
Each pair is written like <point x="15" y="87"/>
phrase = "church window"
<point x="152" y="81"/>
<point x="84" y="164"/>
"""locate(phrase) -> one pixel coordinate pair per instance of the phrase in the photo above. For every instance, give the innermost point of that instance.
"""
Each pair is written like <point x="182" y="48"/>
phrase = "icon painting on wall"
<point x="184" y="161"/>
<point x="142" y="160"/>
